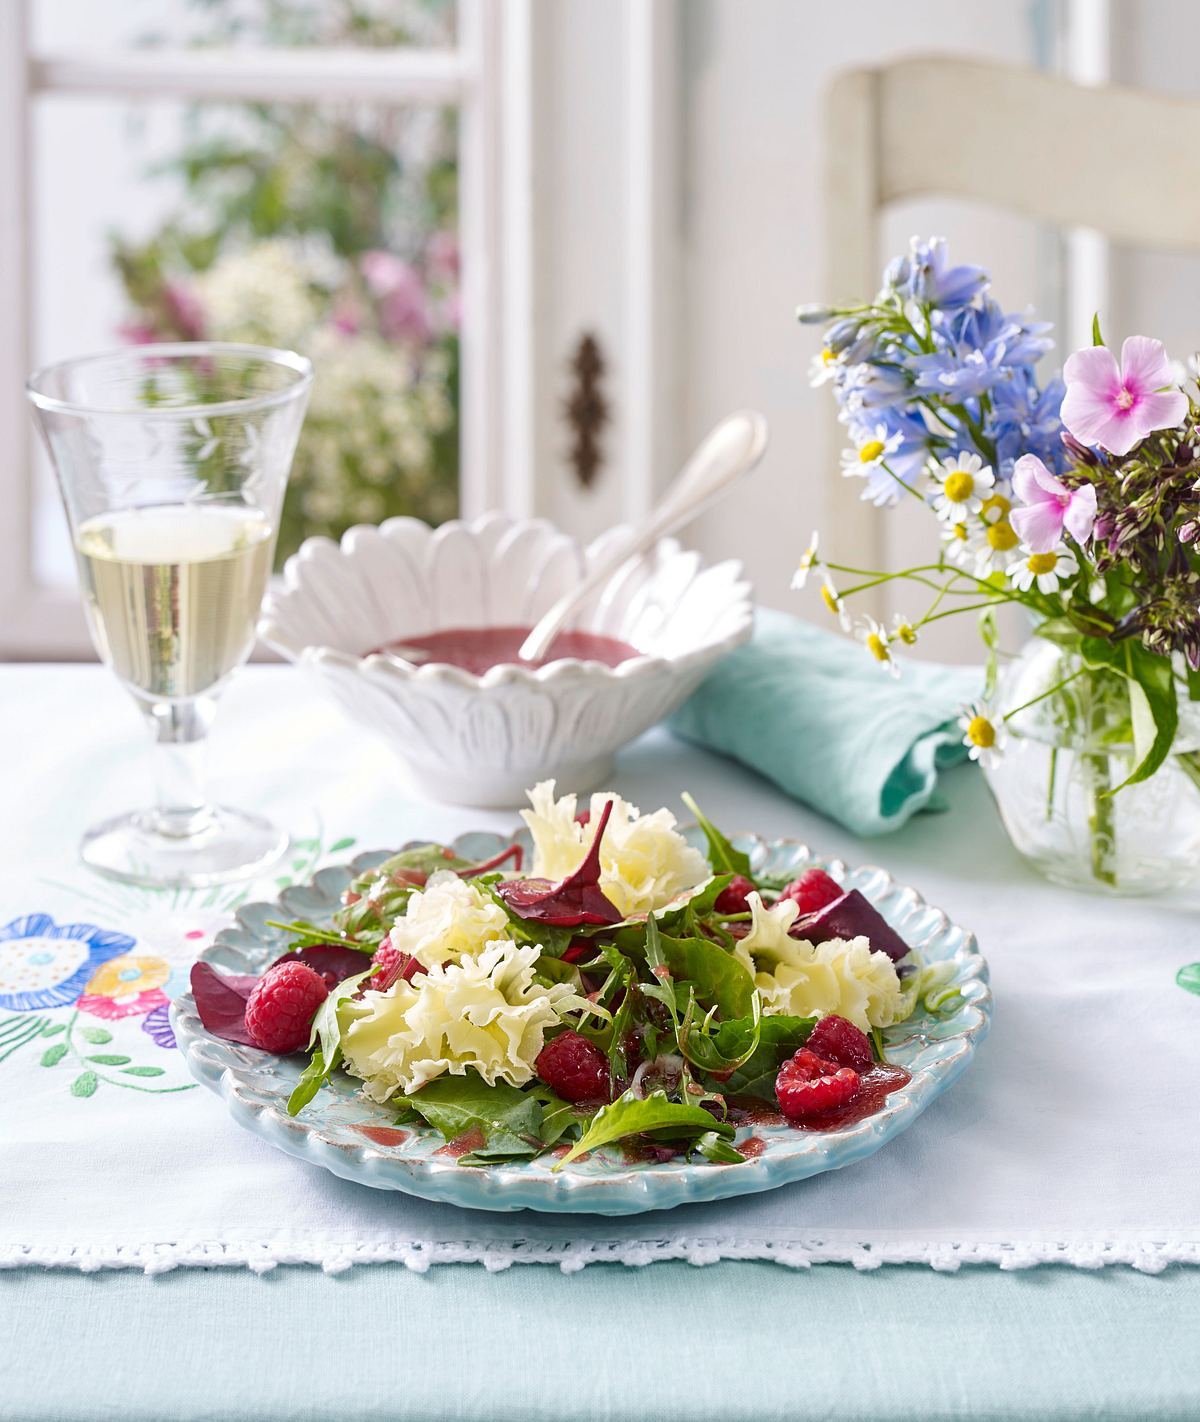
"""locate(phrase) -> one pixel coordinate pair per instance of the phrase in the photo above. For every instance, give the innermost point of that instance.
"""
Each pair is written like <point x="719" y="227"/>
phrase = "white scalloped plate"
<point x="354" y="1138"/>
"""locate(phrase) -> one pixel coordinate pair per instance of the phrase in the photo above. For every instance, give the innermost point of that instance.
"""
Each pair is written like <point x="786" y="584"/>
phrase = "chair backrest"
<point x="1028" y="142"/>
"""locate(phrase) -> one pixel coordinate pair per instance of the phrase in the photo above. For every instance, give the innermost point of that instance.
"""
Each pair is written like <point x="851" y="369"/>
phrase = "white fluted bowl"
<point x="483" y="740"/>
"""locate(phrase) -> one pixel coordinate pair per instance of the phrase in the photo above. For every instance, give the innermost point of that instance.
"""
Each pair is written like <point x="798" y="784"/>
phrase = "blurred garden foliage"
<point x="331" y="231"/>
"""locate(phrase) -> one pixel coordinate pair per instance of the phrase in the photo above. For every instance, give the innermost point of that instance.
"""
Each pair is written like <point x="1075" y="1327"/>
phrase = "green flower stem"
<point x="1051" y="782"/>
<point x="1041" y="696"/>
<point x="1102" y="819"/>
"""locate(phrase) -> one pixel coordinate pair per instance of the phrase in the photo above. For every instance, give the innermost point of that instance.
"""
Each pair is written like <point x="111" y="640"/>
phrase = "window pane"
<point x="327" y="230"/>
<point x="78" y="25"/>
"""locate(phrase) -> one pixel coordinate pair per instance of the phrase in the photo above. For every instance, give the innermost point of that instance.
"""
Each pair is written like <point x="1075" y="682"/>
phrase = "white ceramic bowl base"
<point x="484" y="740"/>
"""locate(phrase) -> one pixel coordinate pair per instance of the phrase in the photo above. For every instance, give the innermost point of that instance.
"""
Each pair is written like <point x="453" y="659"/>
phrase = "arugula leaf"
<point x="327" y="1032"/>
<point x="376" y="906"/>
<point x="631" y="1115"/>
<point x="720" y="980"/>
<point x="723" y="857"/>
<point x="509" y="1121"/>
<point x="715" y="1148"/>
<point x="779" y="1038"/>
<point x="729" y="1047"/>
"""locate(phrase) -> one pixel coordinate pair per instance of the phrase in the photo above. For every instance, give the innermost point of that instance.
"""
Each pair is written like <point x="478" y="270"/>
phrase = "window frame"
<point x="486" y="76"/>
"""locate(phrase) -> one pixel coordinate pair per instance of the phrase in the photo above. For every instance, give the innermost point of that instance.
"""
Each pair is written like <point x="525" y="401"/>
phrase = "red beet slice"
<point x="851" y="916"/>
<point x="221" y="1002"/>
<point x="577" y="900"/>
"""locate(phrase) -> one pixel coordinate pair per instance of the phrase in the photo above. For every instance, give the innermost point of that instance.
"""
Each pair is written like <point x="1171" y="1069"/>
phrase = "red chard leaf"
<point x="513" y="852"/>
<point x="221" y="1001"/>
<point x="332" y="960"/>
<point x="576" y="901"/>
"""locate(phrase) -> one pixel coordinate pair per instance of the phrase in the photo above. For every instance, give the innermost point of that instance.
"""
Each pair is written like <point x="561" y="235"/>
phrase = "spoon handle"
<point x="729" y="451"/>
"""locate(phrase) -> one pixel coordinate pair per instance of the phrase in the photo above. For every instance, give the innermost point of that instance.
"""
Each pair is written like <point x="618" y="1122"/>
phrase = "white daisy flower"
<point x="964" y="482"/>
<point x="823" y="366"/>
<point x="903" y="630"/>
<point x="1047" y="570"/>
<point x="877" y="640"/>
<point x="995" y="546"/>
<point x="958" y="544"/>
<point x="808" y="561"/>
<point x="833" y="601"/>
<point x="983" y="737"/>
<point x="871" y="447"/>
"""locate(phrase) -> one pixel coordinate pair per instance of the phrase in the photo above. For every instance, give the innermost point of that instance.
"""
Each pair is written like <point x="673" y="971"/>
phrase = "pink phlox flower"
<point x="1117" y="407"/>
<point x="1049" y="507"/>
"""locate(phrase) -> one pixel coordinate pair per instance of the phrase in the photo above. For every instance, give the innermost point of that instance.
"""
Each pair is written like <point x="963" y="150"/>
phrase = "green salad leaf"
<point x="656" y="1115"/>
<point x="325" y="1041"/>
<point x="381" y="894"/>
<point x="723" y="857"/>
<point x="509" y="1123"/>
<point x="719" y="979"/>
<point x="725" y="1047"/>
<point x="716" y="1148"/>
<point x="779" y="1038"/>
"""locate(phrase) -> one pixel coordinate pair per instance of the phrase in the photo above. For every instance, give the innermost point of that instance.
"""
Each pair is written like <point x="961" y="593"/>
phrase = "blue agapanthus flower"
<point x="926" y="275"/>
<point x="1025" y="420"/>
<point x="44" y="964"/>
<point x="937" y="361"/>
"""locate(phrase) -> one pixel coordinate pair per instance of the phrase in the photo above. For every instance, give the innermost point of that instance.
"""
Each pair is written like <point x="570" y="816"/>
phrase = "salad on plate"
<point x="626" y="988"/>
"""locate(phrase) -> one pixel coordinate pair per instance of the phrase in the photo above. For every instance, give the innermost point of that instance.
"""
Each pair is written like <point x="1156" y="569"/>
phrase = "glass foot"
<point x="226" y="845"/>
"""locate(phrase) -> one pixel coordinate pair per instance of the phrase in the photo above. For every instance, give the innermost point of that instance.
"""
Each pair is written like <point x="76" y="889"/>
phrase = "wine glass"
<point x="172" y="462"/>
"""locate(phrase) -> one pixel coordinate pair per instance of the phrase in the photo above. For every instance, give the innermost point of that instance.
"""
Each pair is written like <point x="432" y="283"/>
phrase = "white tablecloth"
<point x="1073" y="1137"/>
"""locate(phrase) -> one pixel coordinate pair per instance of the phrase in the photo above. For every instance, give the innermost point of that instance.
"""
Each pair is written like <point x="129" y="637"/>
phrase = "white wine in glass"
<point x="172" y="461"/>
<point x="173" y="591"/>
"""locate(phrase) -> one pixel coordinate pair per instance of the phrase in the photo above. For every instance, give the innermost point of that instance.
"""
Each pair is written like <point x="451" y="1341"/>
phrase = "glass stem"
<point x="179" y="729"/>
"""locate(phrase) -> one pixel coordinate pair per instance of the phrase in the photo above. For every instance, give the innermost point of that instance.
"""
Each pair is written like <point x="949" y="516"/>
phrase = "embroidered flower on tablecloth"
<point x="44" y="964"/>
<point x="157" y="1026"/>
<point x="128" y="986"/>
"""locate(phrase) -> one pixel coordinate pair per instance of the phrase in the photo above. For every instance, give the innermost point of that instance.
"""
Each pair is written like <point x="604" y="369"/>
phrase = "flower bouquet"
<point x="1076" y="499"/>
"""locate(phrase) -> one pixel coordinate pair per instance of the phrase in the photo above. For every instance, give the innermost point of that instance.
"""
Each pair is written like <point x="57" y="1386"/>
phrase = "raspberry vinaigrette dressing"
<point x="478" y="649"/>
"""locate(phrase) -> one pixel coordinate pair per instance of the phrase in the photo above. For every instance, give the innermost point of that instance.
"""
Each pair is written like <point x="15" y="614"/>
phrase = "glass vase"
<point x="1066" y="754"/>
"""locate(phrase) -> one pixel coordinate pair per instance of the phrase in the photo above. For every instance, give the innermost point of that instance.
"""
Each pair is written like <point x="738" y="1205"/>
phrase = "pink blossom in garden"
<point x="1117" y="407"/>
<point x="137" y="332"/>
<point x="347" y="318"/>
<point x="184" y="309"/>
<point x="443" y="256"/>
<point x="1049" y="507"/>
<point x="403" y="310"/>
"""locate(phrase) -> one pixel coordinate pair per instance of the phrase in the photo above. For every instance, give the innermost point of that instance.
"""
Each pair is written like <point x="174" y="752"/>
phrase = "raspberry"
<point x="732" y="898"/>
<point x="837" y="1040"/>
<point x="280" y="1008"/>
<point x="812" y="890"/>
<point x="806" y="1085"/>
<point x="575" y="1068"/>
<point x="393" y="965"/>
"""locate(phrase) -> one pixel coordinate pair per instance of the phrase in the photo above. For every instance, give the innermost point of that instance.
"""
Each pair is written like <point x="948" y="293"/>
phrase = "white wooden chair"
<point x="1043" y="147"/>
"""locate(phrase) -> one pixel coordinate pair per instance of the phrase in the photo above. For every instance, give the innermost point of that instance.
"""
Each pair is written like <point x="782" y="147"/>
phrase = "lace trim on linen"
<point x="1146" y="1256"/>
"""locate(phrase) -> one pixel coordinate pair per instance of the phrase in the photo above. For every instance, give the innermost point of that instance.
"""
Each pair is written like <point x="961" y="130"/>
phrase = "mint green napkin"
<point x="812" y="711"/>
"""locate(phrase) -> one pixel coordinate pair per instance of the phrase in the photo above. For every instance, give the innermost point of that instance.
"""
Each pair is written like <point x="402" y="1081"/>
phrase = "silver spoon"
<point x="730" y="450"/>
